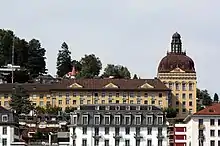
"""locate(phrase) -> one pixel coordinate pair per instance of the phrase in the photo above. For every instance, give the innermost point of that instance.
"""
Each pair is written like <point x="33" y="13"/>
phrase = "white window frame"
<point x="158" y="120"/>
<point x="127" y="116"/>
<point x="3" y="116"/>
<point x="96" y="116"/>
<point x="151" y="119"/>
<point x="137" y="116"/>
<point x="117" y="116"/>
<point x="107" y="116"/>
<point x="87" y="119"/>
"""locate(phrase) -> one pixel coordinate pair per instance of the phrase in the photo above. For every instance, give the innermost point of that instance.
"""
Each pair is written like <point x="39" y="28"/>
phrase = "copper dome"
<point x="176" y="58"/>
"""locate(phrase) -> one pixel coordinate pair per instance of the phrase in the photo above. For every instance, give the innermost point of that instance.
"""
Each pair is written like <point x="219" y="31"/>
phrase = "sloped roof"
<point x="214" y="109"/>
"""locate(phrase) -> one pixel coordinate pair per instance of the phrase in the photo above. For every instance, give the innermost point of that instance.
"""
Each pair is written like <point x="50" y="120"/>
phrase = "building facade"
<point x="176" y="70"/>
<point x="203" y="127"/>
<point x="9" y="127"/>
<point x="72" y="92"/>
<point x="118" y="125"/>
<point x="177" y="134"/>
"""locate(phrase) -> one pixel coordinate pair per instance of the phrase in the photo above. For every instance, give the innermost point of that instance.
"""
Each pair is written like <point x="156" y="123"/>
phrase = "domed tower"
<point x="177" y="71"/>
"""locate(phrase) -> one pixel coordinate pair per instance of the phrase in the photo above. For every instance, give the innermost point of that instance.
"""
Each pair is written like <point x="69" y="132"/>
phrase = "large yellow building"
<point x="176" y="70"/>
<point x="71" y="93"/>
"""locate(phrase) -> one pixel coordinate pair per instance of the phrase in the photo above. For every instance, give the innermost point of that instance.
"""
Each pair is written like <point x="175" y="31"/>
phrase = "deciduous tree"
<point x="118" y="71"/>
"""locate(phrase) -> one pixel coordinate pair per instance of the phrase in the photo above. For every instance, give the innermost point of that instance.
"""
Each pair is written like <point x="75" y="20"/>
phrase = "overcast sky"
<point x="134" y="33"/>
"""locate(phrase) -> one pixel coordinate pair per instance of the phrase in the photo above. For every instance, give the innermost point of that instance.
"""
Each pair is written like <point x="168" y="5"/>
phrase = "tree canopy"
<point x="90" y="66"/>
<point x="135" y="76"/>
<point x="117" y="71"/>
<point x="30" y="56"/>
<point x="171" y="112"/>
<point x="64" y="63"/>
<point x="204" y="96"/>
<point x="20" y="101"/>
<point x="216" y="99"/>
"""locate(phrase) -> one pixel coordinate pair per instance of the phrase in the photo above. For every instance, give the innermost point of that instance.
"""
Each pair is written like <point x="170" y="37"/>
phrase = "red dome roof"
<point x="174" y="60"/>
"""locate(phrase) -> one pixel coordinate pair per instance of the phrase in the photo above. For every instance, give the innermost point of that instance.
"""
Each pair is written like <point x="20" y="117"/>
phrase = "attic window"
<point x="211" y="110"/>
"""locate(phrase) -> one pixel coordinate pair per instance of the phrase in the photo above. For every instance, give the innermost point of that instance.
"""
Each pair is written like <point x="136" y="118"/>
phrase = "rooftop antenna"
<point x="12" y="61"/>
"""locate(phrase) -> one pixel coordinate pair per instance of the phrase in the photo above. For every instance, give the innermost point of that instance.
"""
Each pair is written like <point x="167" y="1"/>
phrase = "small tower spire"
<point x="176" y="44"/>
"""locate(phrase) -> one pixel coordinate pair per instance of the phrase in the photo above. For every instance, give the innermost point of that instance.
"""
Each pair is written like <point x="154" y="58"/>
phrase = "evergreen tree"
<point x="216" y="99"/>
<point x="64" y="64"/>
<point x="20" y="101"/>
<point x="36" y="59"/>
<point x="135" y="76"/>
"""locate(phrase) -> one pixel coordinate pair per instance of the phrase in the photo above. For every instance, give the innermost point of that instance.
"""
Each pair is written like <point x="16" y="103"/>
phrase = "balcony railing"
<point x="138" y="136"/>
<point x="96" y="135"/>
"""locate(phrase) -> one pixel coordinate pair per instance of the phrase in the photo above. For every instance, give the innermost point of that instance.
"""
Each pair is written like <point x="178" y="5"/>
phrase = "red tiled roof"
<point x="214" y="109"/>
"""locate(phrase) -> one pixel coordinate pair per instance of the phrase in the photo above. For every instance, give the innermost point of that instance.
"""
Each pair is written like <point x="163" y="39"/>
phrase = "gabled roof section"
<point x="210" y="110"/>
<point x="111" y="85"/>
<point x="146" y="86"/>
<point x="76" y="85"/>
<point x="179" y="70"/>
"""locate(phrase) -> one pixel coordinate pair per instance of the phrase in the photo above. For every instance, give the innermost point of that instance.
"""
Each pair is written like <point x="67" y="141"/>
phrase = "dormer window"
<point x="150" y="108"/>
<point x="149" y="120"/>
<point x="117" y="108"/>
<point x="107" y="119"/>
<point x="4" y="118"/>
<point x="138" y="119"/>
<point x="117" y="119"/>
<point x="85" y="119"/>
<point x="127" y="107"/>
<point x="97" y="108"/>
<point x="107" y="108"/>
<point x="138" y="108"/>
<point x="97" y="119"/>
<point x="127" y="119"/>
<point x="160" y="120"/>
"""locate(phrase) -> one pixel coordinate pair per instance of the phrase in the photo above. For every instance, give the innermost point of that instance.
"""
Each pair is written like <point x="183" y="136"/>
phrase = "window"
<point x="212" y="133"/>
<point x="184" y="86"/>
<point x="117" y="130"/>
<point x="124" y="101"/>
<point x="145" y="94"/>
<point x="84" y="130"/>
<point x="200" y="121"/>
<point x="212" y="122"/>
<point x="5" y="96"/>
<point x="74" y="94"/>
<point x="184" y="110"/>
<point x="117" y="142"/>
<point x="137" y="120"/>
<point x="149" y="142"/>
<point x="177" y="103"/>
<point x="190" y="86"/>
<point x="4" y="142"/>
<point x="103" y="101"/>
<point x="110" y="95"/>
<point x="117" y="94"/>
<point x="41" y="96"/>
<point x="84" y="142"/>
<point x="218" y="122"/>
<point x="170" y="85"/>
<point x="103" y="94"/>
<point x="88" y="101"/>
<point x="42" y="103"/>
<point x="4" y="118"/>
<point x="60" y="102"/>
<point x="149" y="120"/>
<point x="95" y="101"/>
<point x="177" y="86"/>
<point x="184" y="103"/>
<point x="117" y="101"/>
<point x="4" y="130"/>
<point x="117" y="120"/>
<point x="127" y="120"/>
<point x="160" y="142"/>
<point x="84" y="120"/>
<point x="127" y="142"/>
<point x="96" y="94"/>
<point x="106" y="130"/>
<point x="60" y="95"/>
<point x="74" y="120"/>
<point x="160" y="120"/>
<point x="190" y="96"/>
<point x="138" y="101"/>
<point x="88" y="94"/>
<point x="190" y="103"/>
<point x="81" y="101"/>
<point x="131" y="102"/>
<point x="74" y="102"/>
<point x="177" y="96"/>
<point x="160" y="131"/>
<point x="138" y="142"/>
<point x="138" y="94"/>
<point x="96" y="131"/>
<point x="153" y="101"/>
<point x="127" y="130"/>
<point x="149" y="131"/>
<point x="48" y="103"/>
<point x="106" y="142"/>
<point x="107" y="120"/>
<point x="218" y="133"/>
<point x="183" y="96"/>
<point x="160" y="102"/>
<point x="97" y="120"/>
<point x="160" y="95"/>
<point x="67" y="101"/>
<point x="212" y="143"/>
<point x="109" y="101"/>
<point x="6" y="103"/>
<point x="124" y="94"/>
<point x="131" y="94"/>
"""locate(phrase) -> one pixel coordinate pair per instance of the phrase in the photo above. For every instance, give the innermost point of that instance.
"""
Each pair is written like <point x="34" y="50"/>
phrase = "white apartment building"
<point x="9" y="130"/>
<point x="118" y="125"/>
<point x="203" y="127"/>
